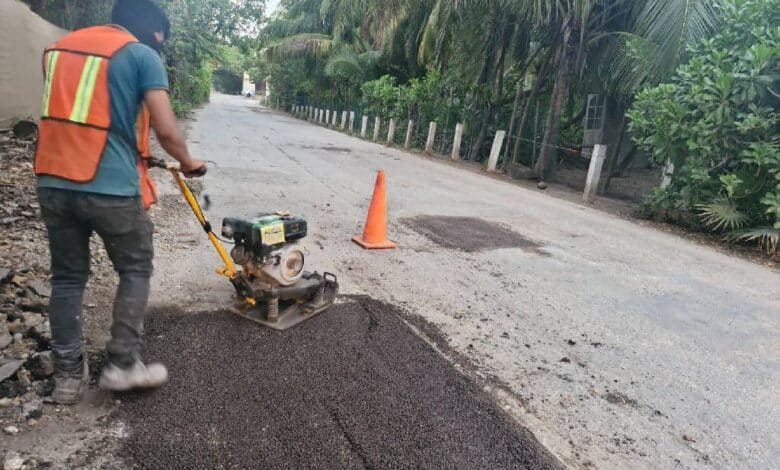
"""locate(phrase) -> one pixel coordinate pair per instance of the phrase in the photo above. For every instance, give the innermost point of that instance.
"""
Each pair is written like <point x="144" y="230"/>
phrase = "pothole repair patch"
<point x="469" y="234"/>
<point x="354" y="387"/>
<point x="327" y="148"/>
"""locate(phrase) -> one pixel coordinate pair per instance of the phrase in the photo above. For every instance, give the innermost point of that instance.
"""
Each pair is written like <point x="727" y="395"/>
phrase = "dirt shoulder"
<point x="33" y="430"/>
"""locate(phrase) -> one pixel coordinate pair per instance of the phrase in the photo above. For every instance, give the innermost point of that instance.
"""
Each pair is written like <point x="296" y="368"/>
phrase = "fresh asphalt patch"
<point x="469" y="234"/>
<point x="352" y="388"/>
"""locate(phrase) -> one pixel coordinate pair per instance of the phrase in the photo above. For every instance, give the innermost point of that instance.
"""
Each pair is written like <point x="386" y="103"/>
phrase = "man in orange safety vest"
<point x="104" y="87"/>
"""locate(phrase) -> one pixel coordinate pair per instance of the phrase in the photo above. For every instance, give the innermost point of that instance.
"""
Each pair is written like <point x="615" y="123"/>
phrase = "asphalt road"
<point x="353" y="388"/>
<point x="615" y="344"/>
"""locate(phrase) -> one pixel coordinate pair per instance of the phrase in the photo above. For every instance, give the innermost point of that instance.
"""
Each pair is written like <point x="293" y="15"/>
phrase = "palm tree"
<point x="659" y="29"/>
<point x="551" y="44"/>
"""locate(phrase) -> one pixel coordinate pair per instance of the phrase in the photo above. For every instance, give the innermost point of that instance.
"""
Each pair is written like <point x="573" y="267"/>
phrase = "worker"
<point x="103" y="86"/>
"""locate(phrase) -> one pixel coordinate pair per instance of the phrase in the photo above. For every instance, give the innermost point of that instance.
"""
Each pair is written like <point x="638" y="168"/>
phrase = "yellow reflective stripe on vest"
<point x="51" y="65"/>
<point x="86" y="90"/>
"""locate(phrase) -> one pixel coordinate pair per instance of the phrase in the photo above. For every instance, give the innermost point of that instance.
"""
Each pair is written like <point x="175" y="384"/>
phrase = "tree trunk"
<point x="477" y="144"/>
<point x="540" y="79"/>
<point x="546" y="166"/>
<point x="623" y="164"/>
<point x="497" y="91"/>
<point x="513" y="120"/>
<point x="613" y="158"/>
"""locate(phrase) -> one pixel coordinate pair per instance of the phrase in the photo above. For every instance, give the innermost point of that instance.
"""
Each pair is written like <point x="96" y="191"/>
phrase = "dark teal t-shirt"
<point x="133" y="71"/>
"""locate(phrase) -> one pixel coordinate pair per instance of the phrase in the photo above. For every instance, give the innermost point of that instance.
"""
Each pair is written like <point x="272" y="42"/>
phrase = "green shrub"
<point x="717" y="123"/>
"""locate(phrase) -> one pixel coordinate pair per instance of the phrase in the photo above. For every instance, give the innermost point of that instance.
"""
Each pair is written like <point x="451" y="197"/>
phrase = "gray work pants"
<point x="126" y="229"/>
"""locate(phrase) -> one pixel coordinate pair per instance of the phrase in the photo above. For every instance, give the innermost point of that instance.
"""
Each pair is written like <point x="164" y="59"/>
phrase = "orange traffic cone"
<point x="375" y="231"/>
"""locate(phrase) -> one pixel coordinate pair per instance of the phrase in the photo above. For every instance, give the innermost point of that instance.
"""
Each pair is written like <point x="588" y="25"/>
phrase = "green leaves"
<point x="722" y="215"/>
<point x="717" y="122"/>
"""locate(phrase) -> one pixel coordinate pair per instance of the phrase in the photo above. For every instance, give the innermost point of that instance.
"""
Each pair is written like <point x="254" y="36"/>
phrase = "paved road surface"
<point x="354" y="389"/>
<point x="615" y="344"/>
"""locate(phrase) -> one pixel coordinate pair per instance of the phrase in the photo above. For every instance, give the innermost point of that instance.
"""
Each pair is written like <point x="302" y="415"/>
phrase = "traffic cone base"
<point x="375" y="230"/>
<point x="385" y="245"/>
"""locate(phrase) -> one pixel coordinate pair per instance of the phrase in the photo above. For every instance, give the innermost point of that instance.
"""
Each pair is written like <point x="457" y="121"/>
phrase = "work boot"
<point x="68" y="386"/>
<point x="137" y="376"/>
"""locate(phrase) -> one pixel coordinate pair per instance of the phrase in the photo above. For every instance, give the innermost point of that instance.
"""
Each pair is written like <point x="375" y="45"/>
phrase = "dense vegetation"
<point x="495" y="60"/>
<point x="716" y="122"/>
<point x="527" y="66"/>
<point x="205" y="36"/>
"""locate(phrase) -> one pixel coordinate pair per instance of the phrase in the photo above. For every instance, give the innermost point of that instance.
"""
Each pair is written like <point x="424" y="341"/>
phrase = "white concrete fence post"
<point x="594" y="172"/>
<point x="335" y="117"/>
<point x="364" y="127"/>
<point x="409" y="134"/>
<point x="456" y="142"/>
<point x="431" y="137"/>
<point x="377" y="123"/>
<point x="351" y="122"/>
<point x="668" y="173"/>
<point x="391" y="132"/>
<point x="327" y="117"/>
<point x="495" y="152"/>
<point x="343" y="120"/>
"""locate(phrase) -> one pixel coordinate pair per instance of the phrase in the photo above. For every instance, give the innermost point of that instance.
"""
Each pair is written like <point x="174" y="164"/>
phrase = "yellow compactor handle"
<point x="229" y="270"/>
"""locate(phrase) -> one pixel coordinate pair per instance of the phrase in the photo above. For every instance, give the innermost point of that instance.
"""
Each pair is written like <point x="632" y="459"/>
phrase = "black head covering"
<point x="142" y="18"/>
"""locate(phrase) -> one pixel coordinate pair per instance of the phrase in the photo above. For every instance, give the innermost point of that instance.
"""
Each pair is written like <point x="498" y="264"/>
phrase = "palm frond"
<point x="304" y="44"/>
<point x="344" y="62"/>
<point x="722" y="215"/>
<point x="768" y="238"/>
<point x="670" y="26"/>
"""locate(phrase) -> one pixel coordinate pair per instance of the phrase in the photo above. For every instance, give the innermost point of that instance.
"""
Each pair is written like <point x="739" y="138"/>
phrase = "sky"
<point x="271" y="5"/>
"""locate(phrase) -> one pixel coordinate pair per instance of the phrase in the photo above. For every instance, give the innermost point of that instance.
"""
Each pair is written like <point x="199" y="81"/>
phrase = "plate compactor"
<point x="272" y="285"/>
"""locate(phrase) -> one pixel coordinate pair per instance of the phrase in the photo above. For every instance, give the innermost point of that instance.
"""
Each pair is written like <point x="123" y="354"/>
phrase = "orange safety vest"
<point x="76" y="112"/>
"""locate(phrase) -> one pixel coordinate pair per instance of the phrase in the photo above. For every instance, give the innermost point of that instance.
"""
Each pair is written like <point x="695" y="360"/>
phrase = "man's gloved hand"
<point x="194" y="168"/>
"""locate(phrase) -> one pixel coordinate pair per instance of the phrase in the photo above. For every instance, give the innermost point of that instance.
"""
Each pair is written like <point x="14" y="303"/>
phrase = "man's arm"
<point x="167" y="130"/>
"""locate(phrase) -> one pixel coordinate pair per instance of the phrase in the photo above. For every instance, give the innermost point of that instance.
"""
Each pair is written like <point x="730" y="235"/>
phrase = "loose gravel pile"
<point x="351" y="388"/>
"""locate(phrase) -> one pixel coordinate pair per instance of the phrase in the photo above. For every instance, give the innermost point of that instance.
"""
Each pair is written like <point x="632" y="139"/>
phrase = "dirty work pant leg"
<point x="126" y="230"/>
<point x="69" y="248"/>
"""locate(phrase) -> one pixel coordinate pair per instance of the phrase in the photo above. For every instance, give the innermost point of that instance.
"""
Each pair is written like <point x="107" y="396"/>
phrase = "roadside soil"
<point x="32" y="429"/>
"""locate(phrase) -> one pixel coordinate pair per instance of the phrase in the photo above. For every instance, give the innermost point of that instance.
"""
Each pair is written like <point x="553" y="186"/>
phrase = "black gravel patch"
<point x="327" y="148"/>
<point x="351" y="388"/>
<point x="469" y="234"/>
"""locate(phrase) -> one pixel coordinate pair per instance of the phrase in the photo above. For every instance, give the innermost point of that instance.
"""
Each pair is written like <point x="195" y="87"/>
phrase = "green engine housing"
<point x="264" y="233"/>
